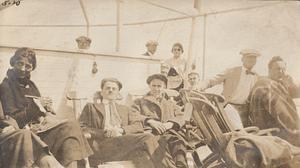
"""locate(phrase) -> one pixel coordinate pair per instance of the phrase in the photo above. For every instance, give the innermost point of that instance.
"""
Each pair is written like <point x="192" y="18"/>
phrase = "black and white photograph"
<point x="149" y="83"/>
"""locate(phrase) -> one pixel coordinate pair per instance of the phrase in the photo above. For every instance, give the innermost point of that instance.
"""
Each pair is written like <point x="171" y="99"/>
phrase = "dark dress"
<point x="18" y="148"/>
<point x="66" y="141"/>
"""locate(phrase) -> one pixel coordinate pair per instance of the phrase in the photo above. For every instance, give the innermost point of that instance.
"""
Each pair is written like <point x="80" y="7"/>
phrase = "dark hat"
<point x="83" y="42"/>
<point x="159" y="77"/>
<point x="26" y="53"/>
<point x="177" y="45"/>
<point x="111" y="80"/>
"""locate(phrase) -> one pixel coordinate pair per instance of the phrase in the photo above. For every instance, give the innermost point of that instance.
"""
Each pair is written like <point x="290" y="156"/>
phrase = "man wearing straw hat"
<point x="237" y="83"/>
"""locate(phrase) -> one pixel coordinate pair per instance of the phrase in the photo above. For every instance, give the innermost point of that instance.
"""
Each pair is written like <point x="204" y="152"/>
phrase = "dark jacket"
<point x="165" y="111"/>
<point x="14" y="102"/>
<point x="93" y="116"/>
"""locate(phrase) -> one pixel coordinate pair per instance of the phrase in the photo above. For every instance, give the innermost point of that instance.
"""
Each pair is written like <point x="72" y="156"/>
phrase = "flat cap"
<point x="250" y="52"/>
<point x="111" y="80"/>
<point x="159" y="77"/>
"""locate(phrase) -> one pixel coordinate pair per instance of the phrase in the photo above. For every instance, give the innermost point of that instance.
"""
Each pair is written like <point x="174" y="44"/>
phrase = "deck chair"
<point x="214" y="126"/>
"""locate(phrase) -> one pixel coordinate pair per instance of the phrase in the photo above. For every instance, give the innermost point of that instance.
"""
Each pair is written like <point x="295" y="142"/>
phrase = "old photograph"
<point x="149" y="84"/>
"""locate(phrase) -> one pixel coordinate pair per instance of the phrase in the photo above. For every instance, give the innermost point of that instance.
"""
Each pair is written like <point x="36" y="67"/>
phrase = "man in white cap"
<point x="237" y="83"/>
<point x="151" y="48"/>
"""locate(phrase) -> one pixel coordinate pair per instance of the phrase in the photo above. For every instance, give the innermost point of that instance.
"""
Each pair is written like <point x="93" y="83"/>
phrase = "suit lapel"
<point x="123" y="113"/>
<point x="158" y="111"/>
<point x="100" y="109"/>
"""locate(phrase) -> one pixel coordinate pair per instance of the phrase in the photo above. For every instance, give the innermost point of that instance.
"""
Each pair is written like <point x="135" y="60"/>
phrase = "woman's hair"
<point x="177" y="45"/>
<point x="26" y="53"/>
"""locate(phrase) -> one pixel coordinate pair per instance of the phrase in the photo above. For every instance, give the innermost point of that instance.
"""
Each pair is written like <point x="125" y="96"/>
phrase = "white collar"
<point x="245" y="69"/>
<point x="106" y="101"/>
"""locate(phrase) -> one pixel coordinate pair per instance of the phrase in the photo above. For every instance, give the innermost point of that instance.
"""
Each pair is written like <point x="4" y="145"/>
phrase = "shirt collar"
<point x="106" y="101"/>
<point x="245" y="69"/>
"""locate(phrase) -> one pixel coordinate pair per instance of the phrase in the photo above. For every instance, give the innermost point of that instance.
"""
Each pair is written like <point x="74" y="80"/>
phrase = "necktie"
<point x="115" y="119"/>
<point x="248" y="72"/>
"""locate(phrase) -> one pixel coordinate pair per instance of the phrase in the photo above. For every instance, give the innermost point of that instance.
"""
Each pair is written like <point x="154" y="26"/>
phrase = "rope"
<point x="154" y="21"/>
<point x="164" y="7"/>
<point x="85" y="17"/>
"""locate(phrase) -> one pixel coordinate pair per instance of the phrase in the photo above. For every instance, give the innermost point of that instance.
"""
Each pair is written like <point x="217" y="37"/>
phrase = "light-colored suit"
<point x="230" y="79"/>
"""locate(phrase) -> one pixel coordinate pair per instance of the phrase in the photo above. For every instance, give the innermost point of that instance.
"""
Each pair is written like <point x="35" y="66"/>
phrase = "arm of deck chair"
<point x="268" y="131"/>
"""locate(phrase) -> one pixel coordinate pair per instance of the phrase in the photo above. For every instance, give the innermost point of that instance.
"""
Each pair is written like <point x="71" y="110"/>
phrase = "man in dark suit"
<point x="116" y="134"/>
<point x="163" y="117"/>
<point x="151" y="48"/>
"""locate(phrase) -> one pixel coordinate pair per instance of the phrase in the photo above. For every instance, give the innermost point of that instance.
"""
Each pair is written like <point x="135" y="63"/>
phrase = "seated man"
<point x="116" y="135"/>
<point x="161" y="115"/>
<point x="21" y="148"/>
<point x="22" y="101"/>
<point x="271" y="102"/>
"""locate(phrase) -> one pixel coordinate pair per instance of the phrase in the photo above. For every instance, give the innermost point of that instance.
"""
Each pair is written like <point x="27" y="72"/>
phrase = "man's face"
<point x="156" y="87"/>
<point x="176" y="50"/>
<point x="152" y="48"/>
<point x="23" y="67"/>
<point x="278" y="70"/>
<point x="249" y="61"/>
<point x="193" y="79"/>
<point x="110" y="91"/>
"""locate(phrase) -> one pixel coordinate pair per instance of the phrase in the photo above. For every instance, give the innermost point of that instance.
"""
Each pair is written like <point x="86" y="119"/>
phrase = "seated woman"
<point x="21" y="148"/>
<point x="20" y="97"/>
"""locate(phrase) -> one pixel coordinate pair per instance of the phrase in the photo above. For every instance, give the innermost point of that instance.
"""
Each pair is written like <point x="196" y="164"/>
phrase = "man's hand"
<point x="8" y="129"/>
<point x="47" y="103"/>
<point x="113" y="132"/>
<point x="158" y="126"/>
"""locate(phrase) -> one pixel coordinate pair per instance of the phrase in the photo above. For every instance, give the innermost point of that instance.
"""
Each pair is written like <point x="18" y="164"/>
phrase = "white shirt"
<point x="107" y="118"/>
<point x="243" y="88"/>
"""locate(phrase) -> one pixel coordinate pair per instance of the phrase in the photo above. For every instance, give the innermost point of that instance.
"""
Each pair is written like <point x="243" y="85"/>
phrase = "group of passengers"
<point x="147" y="132"/>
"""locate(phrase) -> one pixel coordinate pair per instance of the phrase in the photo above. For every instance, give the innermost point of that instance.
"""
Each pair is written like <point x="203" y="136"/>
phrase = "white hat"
<point x="250" y="52"/>
<point x="151" y="42"/>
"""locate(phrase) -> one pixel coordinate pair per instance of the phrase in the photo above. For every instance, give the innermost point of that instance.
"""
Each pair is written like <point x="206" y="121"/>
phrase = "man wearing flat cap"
<point x="237" y="83"/>
<point x="116" y="134"/>
<point x="151" y="48"/>
<point x="162" y="116"/>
